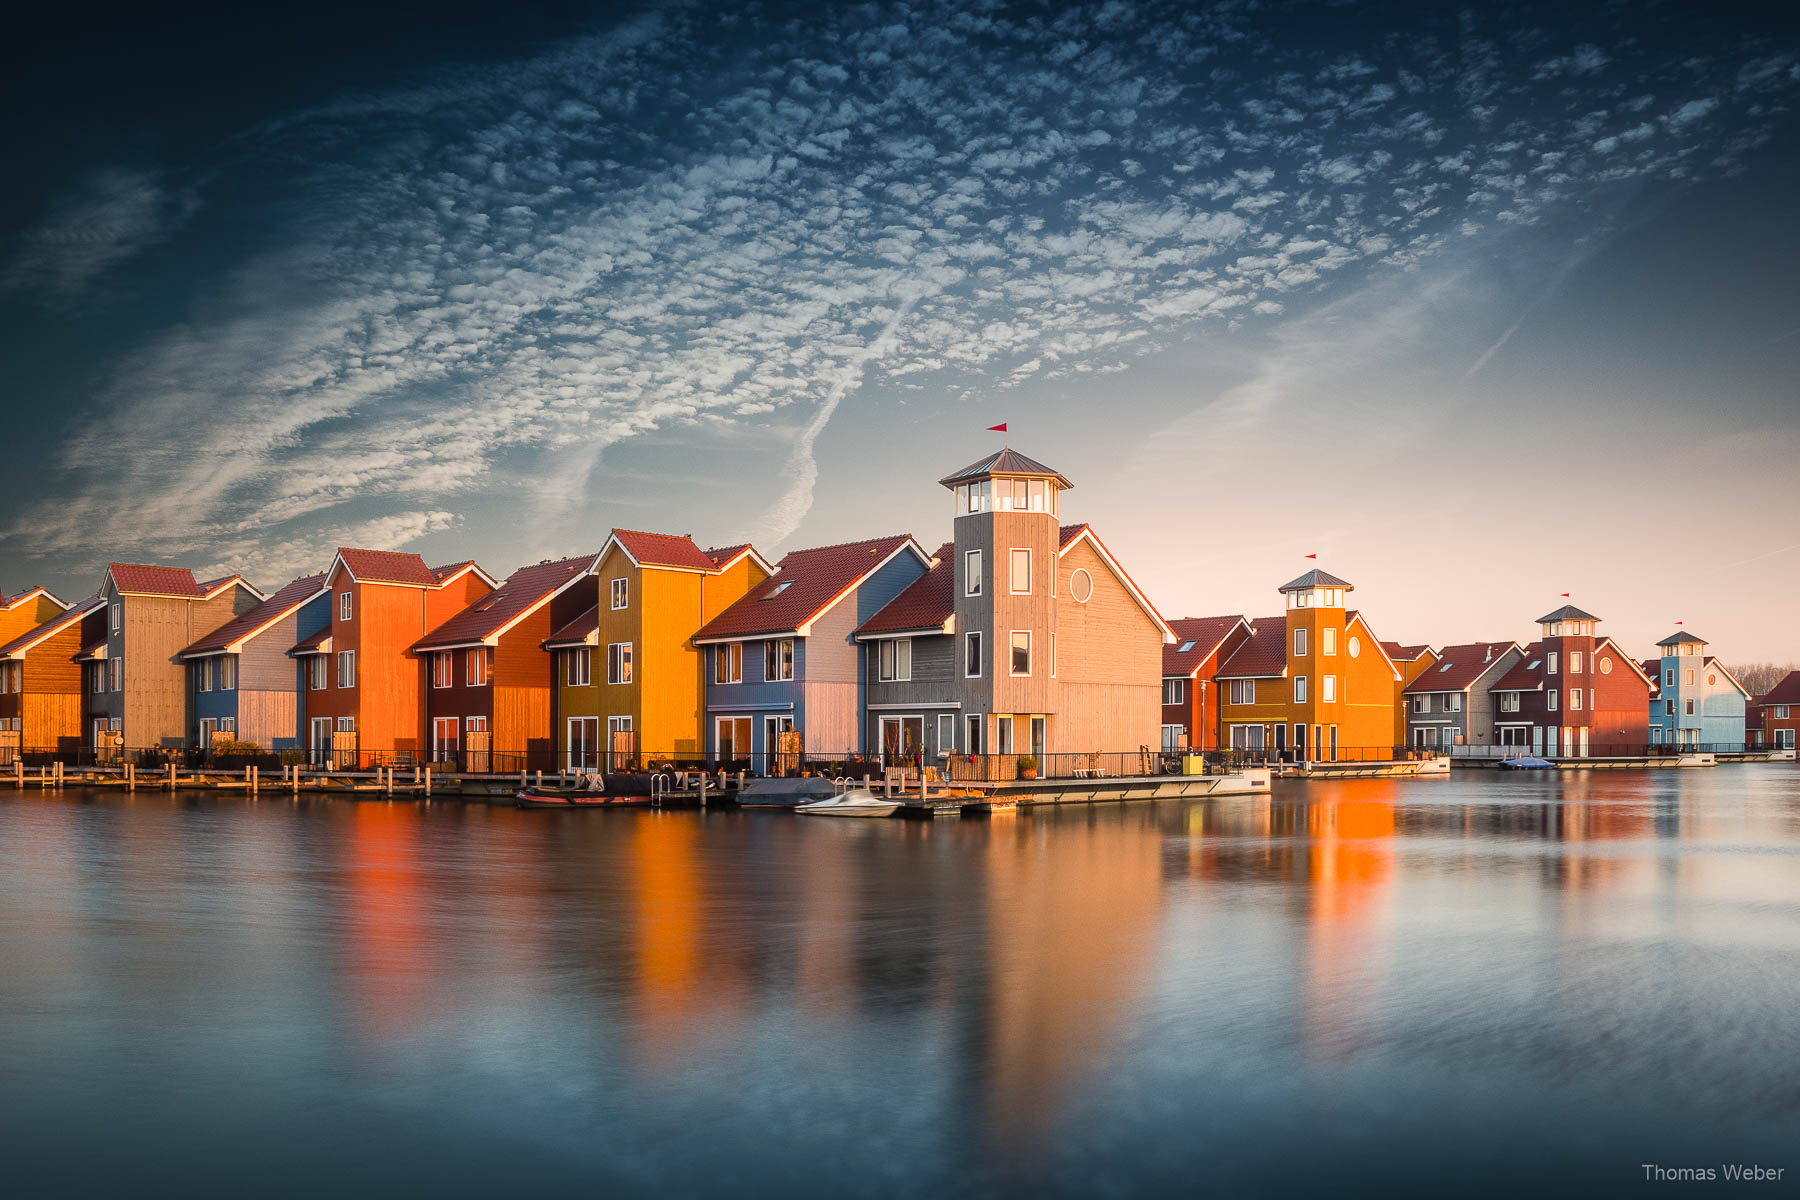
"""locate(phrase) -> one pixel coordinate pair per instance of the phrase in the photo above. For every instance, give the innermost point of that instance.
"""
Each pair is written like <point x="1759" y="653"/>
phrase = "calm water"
<point x="1368" y="987"/>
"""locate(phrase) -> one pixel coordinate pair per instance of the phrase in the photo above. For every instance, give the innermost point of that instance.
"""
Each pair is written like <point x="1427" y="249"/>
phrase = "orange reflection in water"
<point x="389" y="968"/>
<point x="1350" y="870"/>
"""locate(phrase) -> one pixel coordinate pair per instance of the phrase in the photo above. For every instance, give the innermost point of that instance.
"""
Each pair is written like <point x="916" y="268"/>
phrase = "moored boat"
<point x="533" y="797"/>
<point x="858" y="802"/>
<point x="1526" y="764"/>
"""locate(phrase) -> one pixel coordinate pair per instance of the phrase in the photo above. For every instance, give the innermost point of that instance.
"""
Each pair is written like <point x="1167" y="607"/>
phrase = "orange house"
<point x="1314" y="684"/>
<point x="40" y="682"/>
<point x="1190" y="668"/>
<point x="364" y="697"/>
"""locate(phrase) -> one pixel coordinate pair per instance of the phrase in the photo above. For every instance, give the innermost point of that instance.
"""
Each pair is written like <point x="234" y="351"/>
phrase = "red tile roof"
<point x="1458" y="667"/>
<point x="576" y="632"/>
<point x="312" y="643"/>
<point x="28" y="593"/>
<point x="1205" y="635"/>
<point x="268" y="612"/>
<point x="1400" y="653"/>
<point x="60" y="621"/>
<point x="924" y="604"/>
<point x="663" y="550"/>
<point x="516" y="595"/>
<point x="139" y="579"/>
<point x="1068" y="533"/>
<point x="1785" y="692"/>
<point x="213" y="585"/>
<point x="805" y="584"/>
<point x="1263" y="654"/>
<point x="387" y="566"/>
<point x="720" y="555"/>
<point x="448" y="569"/>
<point x="1527" y="675"/>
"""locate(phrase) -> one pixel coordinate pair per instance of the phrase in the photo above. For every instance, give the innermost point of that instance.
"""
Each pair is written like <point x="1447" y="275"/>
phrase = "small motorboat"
<point x="1526" y="764"/>
<point x="857" y="802"/>
<point x="785" y="793"/>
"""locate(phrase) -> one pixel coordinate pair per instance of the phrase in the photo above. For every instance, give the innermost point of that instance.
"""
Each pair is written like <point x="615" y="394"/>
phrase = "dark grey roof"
<point x="1316" y="579"/>
<point x="1681" y="638"/>
<point x="1006" y="462"/>
<point x="1567" y="612"/>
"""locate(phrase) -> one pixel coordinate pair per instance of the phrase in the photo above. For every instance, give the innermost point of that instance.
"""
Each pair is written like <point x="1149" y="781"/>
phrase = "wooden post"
<point x="540" y="778"/>
<point x="171" y="776"/>
<point x="428" y="783"/>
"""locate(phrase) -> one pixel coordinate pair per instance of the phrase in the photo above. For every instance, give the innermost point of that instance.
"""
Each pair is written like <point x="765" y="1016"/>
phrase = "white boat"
<point x="857" y="802"/>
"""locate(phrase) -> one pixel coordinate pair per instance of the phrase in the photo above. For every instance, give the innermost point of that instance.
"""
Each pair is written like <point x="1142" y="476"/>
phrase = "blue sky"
<point x="1481" y="306"/>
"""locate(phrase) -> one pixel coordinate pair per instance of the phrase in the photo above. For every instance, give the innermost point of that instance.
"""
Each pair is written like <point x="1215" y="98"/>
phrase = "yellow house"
<point x="21" y="614"/>
<point x="629" y="684"/>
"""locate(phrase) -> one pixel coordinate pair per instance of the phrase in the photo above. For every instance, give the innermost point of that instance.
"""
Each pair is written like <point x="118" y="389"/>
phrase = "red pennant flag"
<point x="1000" y="428"/>
<point x="1312" y="556"/>
<point x="1565" y="595"/>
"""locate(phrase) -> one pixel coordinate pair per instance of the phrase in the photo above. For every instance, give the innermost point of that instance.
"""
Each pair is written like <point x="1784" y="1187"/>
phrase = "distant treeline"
<point x="1759" y="677"/>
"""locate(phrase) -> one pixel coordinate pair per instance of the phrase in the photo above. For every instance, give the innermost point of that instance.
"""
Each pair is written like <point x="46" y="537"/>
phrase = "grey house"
<point x="909" y="650"/>
<point x="1450" y="705"/>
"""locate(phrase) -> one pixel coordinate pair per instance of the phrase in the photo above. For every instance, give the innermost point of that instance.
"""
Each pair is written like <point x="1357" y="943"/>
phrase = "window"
<point x="1509" y="702"/>
<point x="1243" y="691"/>
<point x="1669" y="677"/>
<point x="946" y="733"/>
<point x="1574" y="698"/>
<point x="972" y="654"/>
<point x="228" y="673"/>
<point x="1081" y="586"/>
<point x="1712" y="680"/>
<point x="578" y="667"/>
<point x="443" y="737"/>
<point x="972" y="742"/>
<point x="1574" y="662"/>
<point x="621" y="592"/>
<point x="1781" y="712"/>
<point x="1421" y="704"/>
<point x="1690" y="708"/>
<point x="115" y="674"/>
<point x="346" y="725"/>
<point x="779" y="588"/>
<point x="728" y="663"/>
<point x="1453" y="702"/>
<point x="778" y="660"/>
<point x="118" y="616"/>
<point x="1173" y="738"/>
<point x="618" y="662"/>
<point x="1053" y="654"/>
<point x="1550" y="663"/>
<point x="1355" y="647"/>
<point x="480" y="666"/>
<point x="1328" y="688"/>
<point x="9" y="676"/>
<point x="1021" y="572"/>
<point x="440" y="669"/>
<point x="317" y="677"/>
<point x="1550" y="699"/>
<point x="1606" y="666"/>
<point x="1328" y="641"/>
<point x="1300" y="643"/>
<point x="203" y="677"/>
<point x="1690" y="676"/>
<point x="1174" y="691"/>
<point x="343" y="606"/>
<point x="1021" y="652"/>
<point x="894" y="660"/>
<point x="346" y="668"/>
<point x="971" y="572"/>
<point x="1299" y="689"/>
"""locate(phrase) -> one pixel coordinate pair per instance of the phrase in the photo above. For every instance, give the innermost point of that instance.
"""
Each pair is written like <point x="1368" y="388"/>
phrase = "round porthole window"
<point x="1606" y="666"/>
<point x="1711" y="680"/>
<point x="1081" y="585"/>
<point x="1355" y="647"/>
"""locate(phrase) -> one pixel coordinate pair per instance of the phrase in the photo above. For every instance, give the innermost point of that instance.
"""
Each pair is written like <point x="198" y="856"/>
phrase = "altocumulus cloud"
<point x="729" y="218"/>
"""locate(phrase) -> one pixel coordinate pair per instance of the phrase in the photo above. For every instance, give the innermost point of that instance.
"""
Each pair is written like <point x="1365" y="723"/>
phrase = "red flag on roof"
<point x="1312" y="556"/>
<point x="1000" y="428"/>
<point x="1565" y="595"/>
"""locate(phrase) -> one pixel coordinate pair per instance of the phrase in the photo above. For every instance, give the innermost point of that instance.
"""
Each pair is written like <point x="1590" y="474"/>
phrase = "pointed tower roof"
<point x="1682" y="638"/>
<point x="1316" y="579"/>
<point x="1006" y="462"/>
<point x="1567" y="612"/>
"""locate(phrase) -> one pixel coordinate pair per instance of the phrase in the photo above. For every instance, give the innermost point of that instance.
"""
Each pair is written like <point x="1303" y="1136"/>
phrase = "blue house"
<point x="242" y="683"/>
<point x="1698" y="701"/>
<point x="784" y="674"/>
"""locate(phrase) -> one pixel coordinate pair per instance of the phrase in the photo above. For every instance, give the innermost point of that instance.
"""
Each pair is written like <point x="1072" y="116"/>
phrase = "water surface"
<point x="1367" y="987"/>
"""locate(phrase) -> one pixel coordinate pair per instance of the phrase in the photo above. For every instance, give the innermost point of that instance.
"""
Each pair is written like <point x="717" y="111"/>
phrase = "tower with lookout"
<point x="1058" y="652"/>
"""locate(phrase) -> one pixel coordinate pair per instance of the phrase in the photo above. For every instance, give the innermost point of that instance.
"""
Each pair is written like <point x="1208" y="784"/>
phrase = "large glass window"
<point x="778" y="660"/>
<point x="578" y="666"/>
<point x="972" y="573"/>
<point x="894" y="659"/>
<point x="972" y="653"/>
<point x="441" y="669"/>
<point x="480" y="666"/>
<point x="1021" y="652"/>
<point x="728" y="663"/>
<point x="618" y="662"/>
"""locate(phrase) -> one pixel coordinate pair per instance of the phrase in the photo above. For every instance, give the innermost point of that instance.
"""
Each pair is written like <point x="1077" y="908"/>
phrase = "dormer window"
<point x="779" y="588"/>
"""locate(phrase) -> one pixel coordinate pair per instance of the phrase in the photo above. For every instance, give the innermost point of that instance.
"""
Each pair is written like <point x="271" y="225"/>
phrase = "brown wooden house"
<point x="41" y="683"/>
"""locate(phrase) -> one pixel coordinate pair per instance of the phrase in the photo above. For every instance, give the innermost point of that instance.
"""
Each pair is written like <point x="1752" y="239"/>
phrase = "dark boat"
<point x="620" y="790"/>
<point x="784" y="793"/>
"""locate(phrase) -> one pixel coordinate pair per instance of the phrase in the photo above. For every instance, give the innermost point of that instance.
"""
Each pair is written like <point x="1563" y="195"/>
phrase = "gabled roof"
<point x="1652" y="667"/>
<point x="926" y="605"/>
<point x="1263" y="654"/>
<point x="724" y="557"/>
<point x="1567" y="612"/>
<point x="28" y="593"/>
<point x="1315" y="579"/>
<point x="676" y="551"/>
<point x="395" y="567"/>
<point x="1007" y="462"/>
<point x="1711" y="661"/>
<point x="1196" y="639"/>
<point x="229" y="637"/>
<point x="1353" y="616"/>
<point x="138" y="579"/>
<point x="214" y="586"/>
<point x="1785" y="692"/>
<point x="1400" y="654"/>
<point x="512" y="600"/>
<point x="804" y="587"/>
<point x="1527" y="675"/>
<point x="1460" y="668"/>
<point x="1681" y="637"/>
<point x="1649" y="677"/>
<point x="1071" y="534"/>
<point x="581" y="631"/>
<point x="20" y="645"/>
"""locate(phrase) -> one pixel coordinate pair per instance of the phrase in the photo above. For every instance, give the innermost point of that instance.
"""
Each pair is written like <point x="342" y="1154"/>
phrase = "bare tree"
<point x="1761" y="677"/>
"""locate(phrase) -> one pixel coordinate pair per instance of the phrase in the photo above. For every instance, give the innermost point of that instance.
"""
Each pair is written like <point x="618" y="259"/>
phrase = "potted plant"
<point x="1028" y="766"/>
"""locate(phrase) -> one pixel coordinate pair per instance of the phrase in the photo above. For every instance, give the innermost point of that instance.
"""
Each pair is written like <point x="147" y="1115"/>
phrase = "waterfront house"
<point x="655" y="591"/>
<point x="1313" y="683"/>
<point x="41" y="683"/>
<point x="489" y="679"/>
<point x="153" y="613"/>
<point x="575" y="704"/>
<point x="783" y="669"/>
<point x="1781" y="713"/>
<point x="909" y="668"/>
<point x="1696" y="701"/>
<point x="242" y="685"/>
<point x="27" y="611"/>
<point x="371" y="710"/>
<point x="1412" y="661"/>
<point x="1573" y="693"/>
<point x="1190" y="705"/>
<point x="1450" y="704"/>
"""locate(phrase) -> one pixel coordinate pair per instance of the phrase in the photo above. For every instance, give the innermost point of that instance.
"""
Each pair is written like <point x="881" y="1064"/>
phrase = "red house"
<point x="1574" y="694"/>
<point x="1190" y="704"/>
<point x="1780" y="712"/>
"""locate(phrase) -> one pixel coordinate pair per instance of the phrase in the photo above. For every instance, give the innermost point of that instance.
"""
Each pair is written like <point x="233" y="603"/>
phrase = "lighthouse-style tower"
<point x="1007" y="534"/>
<point x="1567" y="639"/>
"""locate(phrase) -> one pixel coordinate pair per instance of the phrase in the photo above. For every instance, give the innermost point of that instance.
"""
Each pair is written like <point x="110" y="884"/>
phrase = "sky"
<point x="1480" y="306"/>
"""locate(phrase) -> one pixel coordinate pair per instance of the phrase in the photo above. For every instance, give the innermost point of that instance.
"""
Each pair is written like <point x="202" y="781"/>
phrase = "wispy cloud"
<point x="112" y="216"/>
